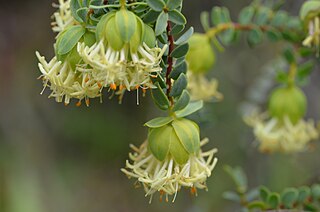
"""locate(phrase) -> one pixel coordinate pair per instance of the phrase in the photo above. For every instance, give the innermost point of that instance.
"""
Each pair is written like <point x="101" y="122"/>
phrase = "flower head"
<point x="276" y="135"/>
<point x="171" y="158"/>
<point x="167" y="177"/>
<point x="201" y="88"/>
<point x="65" y="82"/>
<point x="126" y="55"/>
<point x="63" y="17"/>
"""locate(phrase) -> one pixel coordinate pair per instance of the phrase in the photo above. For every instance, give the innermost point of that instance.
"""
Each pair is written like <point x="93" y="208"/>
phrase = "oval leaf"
<point x="69" y="39"/>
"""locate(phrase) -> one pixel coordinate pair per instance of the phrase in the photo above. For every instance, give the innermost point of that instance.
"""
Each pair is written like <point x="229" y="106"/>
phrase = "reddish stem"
<point x="170" y="61"/>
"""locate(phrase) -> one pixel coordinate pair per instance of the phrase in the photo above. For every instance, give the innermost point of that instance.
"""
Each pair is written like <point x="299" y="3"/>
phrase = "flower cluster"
<point x="275" y="135"/>
<point x="167" y="177"/>
<point x="88" y="60"/>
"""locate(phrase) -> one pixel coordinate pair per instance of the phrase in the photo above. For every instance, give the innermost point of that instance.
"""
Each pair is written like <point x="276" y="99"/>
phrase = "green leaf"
<point x="246" y="15"/>
<point x="289" y="55"/>
<point x="162" y="23"/>
<point x="188" y="133"/>
<point x="257" y="205"/>
<point x="262" y="16"/>
<point x="273" y="35"/>
<point x="182" y="102"/>
<point x="204" y="18"/>
<point x="180" y="51"/>
<point x="151" y="16"/>
<point x="75" y="5"/>
<point x="289" y="196"/>
<point x="177" y="17"/>
<point x="176" y="29"/>
<point x="239" y="178"/>
<point x="304" y="193"/>
<point x="156" y="5"/>
<point x="191" y="108"/>
<point x="220" y="15"/>
<point x="264" y="193"/>
<point x="232" y="196"/>
<point x="179" y="85"/>
<point x="83" y="14"/>
<point x="255" y="37"/>
<point x="126" y="24"/>
<point x="179" y="69"/>
<point x="160" y="97"/>
<point x="173" y="4"/>
<point x="158" y="122"/>
<point x="274" y="200"/>
<point x="280" y="19"/>
<point x="70" y="39"/>
<point x="315" y="191"/>
<point x="159" y="141"/>
<point x="177" y="150"/>
<point x="185" y="37"/>
<point x="305" y="69"/>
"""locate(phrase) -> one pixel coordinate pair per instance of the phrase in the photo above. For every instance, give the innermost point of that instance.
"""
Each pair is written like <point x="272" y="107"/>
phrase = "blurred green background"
<point x="67" y="159"/>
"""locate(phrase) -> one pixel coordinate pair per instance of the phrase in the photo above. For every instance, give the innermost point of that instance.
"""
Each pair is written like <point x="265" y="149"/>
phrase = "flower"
<point x="275" y="135"/>
<point x="111" y="67"/>
<point x="201" y="88"/>
<point x="66" y="83"/>
<point x="63" y="17"/>
<point x="313" y="39"/>
<point x="167" y="177"/>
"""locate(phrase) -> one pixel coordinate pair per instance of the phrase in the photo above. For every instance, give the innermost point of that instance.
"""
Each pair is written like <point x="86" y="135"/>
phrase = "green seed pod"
<point x="137" y="37"/>
<point x="112" y="35"/>
<point x="288" y="102"/>
<point x="178" y="139"/>
<point x="309" y="10"/>
<point x="126" y="24"/>
<point x="201" y="56"/>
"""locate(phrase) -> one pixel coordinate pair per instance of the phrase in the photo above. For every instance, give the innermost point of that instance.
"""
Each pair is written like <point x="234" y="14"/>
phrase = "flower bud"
<point x="201" y="56"/>
<point x="288" y="102"/>
<point x="309" y="10"/>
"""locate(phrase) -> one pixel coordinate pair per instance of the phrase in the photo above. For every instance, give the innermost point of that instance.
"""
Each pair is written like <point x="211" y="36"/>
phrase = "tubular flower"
<point x="125" y="56"/>
<point x="66" y="83"/>
<point x="168" y="176"/>
<point x="201" y="88"/>
<point x="313" y="38"/>
<point x="63" y="17"/>
<point x="275" y="135"/>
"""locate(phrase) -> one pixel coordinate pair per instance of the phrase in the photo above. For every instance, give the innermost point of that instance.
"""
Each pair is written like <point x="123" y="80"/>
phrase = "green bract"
<point x="125" y="28"/>
<point x="201" y="56"/>
<point x="177" y="138"/>
<point x="309" y="10"/>
<point x="288" y="102"/>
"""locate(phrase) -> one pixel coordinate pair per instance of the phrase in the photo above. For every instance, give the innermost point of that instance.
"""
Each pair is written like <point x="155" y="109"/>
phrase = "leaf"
<point x="83" y="13"/>
<point x="232" y="196"/>
<point x="289" y="196"/>
<point x="156" y="5"/>
<point x="274" y="200"/>
<point x="204" y="18"/>
<point x="70" y="39"/>
<point x="255" y="37"/>
<point x="188" y="133"/>
<point x="280" y="19"/>
<point x="126" y="24"/>
<point x="262" y="16"/>
<point x="273" y="35"/>
<point x="185" y="37"/>
<point x="239" y="178"/>
<point x="159" y="141"/>
<point x="191" y="108"/>
<point x="304" y="193"/>
<point x="180" y="51"/>
<point x="183" y="101"/>
<point x="160" y="97"/>
<point x="264" y="193"/>
<point x="74" y="6"/>
<point x="289" y="55"/>
<point x="257" y="205"/>
<point x="178" y="70"/>
<point x="177" y="17"/>
<point x="177" y="29"/>
<point x="162" y="23"/>
<point x="173" y="4"/>
<point x="246" y="15"/>
<point x="158" y="122"/>
<point x="315" y="191"/>
<point x="179" y="85"/>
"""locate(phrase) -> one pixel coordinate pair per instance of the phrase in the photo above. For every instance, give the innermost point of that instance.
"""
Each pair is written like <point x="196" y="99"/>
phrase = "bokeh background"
<point x="67" y="159"/>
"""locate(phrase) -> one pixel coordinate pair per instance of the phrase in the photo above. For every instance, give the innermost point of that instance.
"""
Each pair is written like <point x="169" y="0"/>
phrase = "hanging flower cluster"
<point x="169" y="160"/>
<point x="117" y="55"/>
<point x="282" y="128"/>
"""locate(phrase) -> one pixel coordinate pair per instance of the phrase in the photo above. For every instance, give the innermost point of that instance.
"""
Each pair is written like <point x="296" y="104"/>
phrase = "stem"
<point x="170" y="62"/>
<point x="292" y="74"/>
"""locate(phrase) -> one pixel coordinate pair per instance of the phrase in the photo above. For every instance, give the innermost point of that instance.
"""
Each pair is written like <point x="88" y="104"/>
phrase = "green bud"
<point x="177" y="139"/>
<point x="112" y="35"/>
<point x="288" y="102"/>
<point x="137" y="37"/>
<point x="126" y="24"/>
<point x="309" y="10"/>
<point x="149" y="36"/>
<point x="201" y="56"/>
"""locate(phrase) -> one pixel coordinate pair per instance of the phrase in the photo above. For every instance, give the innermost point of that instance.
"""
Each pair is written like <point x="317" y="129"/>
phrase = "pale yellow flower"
<point x="66" y="83"/>
<point x="201" y="88"/>
<point x="62" y="17"/>
<point x="122" y="68"/>
<point x="274" y="135"/>
<point x="313" y="38"/>
<point x="168" y="177"/>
